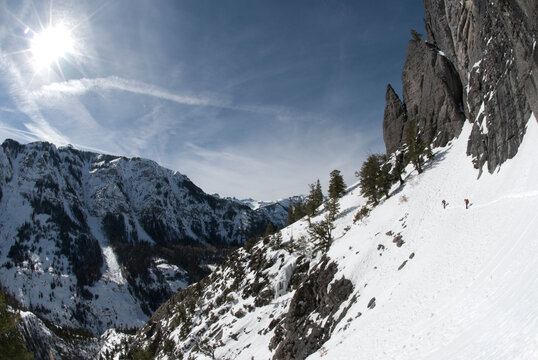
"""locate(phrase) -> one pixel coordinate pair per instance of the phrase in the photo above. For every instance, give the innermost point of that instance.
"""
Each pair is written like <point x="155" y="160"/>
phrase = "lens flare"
<point x="50" y="45"/>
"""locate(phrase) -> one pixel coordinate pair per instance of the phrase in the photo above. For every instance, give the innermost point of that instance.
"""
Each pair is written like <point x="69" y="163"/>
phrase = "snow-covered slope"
<point x="471" y="289"/>
<point x="96" y="241"/>
<point x="413" y="280"/>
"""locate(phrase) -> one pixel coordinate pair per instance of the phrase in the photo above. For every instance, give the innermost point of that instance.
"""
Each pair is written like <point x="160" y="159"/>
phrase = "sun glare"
<point x="50" y="45"/>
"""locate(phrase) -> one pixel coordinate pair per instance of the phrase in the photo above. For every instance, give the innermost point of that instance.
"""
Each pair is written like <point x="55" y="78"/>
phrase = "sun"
<point x="50" y="45"/>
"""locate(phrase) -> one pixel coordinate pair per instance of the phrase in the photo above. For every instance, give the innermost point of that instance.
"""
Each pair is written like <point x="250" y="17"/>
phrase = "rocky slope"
<point x="96" y="241"/>
<point x="479" y="62"/>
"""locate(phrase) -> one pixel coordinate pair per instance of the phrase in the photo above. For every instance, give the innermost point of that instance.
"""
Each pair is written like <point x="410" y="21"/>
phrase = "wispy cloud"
<point x="59" y="90"/>
<point x="39" y="126"/>
<point x="8" y="110"/>
<point x="9" y="132"/>
<point x="81" y="86"/>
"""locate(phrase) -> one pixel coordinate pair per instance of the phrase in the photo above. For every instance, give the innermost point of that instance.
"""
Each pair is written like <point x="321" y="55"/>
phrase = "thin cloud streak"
<point x="81" y="86"/>
<point x="9" y="132"/>
<point x="25" y="103"/>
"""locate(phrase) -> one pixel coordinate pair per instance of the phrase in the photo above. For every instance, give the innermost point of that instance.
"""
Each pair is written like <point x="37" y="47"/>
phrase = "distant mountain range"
<point x="96" y="241"/>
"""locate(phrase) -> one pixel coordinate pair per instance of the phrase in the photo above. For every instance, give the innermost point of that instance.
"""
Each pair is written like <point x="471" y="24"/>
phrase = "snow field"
<point x="470" y="291"/>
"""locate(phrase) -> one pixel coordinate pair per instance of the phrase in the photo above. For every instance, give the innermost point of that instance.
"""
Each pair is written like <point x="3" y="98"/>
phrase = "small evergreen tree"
<point x="368" y="178"/>
<point x="416" y="148"/>
<point x="416" y="35"/>
<point x="269" y="229"/>
<point x="336" y="185"/>
<point x="398" y="169"/>
<point x="322" y="233"/>
<point x="314" y="199"/>
<point x="322" y="230"/>
<point x="384" y="177"/>
<point x="299" y="210"/>
<point x="376" y="178"/>
<point x="332" y="206"/>
<point x="361" y="214"/>
<point x="277" y="240"/>
<point x="318" y="194"/>
<point x="291" y="218"/>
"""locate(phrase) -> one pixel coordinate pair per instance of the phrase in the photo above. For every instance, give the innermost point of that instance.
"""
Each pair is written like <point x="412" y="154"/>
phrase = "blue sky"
<point x="247" y="98"/>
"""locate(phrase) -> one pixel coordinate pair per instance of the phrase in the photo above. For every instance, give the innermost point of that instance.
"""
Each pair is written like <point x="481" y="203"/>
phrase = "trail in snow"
<point x="471" y="289"/>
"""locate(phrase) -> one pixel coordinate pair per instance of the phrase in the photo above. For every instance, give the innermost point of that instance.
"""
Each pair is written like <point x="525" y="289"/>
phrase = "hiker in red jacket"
<point x="466" y="203"/>
<point x="444" y="204"/>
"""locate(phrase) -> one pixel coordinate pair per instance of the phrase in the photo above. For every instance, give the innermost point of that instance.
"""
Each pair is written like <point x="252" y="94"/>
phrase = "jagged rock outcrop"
<point x="480" y="61"/>
<point x="394" y="120"/>
<point x="95" y="241"/>
<point x="492" y="43"/>
<point x="299" y="335"/>
<point x="47" y="345"/>
<point x="432" y="93"/>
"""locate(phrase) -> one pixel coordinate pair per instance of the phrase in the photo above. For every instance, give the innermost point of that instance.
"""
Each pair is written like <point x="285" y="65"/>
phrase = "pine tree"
<point x="384" y="177"/>
<point x="368" y="178"/>
<point x="416" y="148"/>
<point x="299" y="210"/>
<point x="314" y="199"/>
<point x="318" y="194"/>
<point x="291" y="218"/>
<point x="336" y="185"/>
<point x="269" y="229"/>
<point x="399" y="168"/>
<point x="322" y="230"/>
<point x="332" y="206"/>
<point x="322" y="233"/>
<point x="416" y="35"/>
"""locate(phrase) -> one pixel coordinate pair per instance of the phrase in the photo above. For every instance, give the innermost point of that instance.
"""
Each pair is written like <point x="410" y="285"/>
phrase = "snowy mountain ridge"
<point x="276" y="211"/>
<point x="96" y="241"/>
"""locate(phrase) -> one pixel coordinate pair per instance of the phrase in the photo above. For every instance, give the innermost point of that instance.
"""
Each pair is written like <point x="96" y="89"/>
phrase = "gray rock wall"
<point x="492" y="44"/>
<point x="433" y="98"/>
<point x="394" y="120"/>
<point x="480" y="62"/>
<point x="432" y="93"/>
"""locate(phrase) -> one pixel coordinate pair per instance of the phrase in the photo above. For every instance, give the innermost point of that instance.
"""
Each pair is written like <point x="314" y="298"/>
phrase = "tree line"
<point x="376" y="176"/>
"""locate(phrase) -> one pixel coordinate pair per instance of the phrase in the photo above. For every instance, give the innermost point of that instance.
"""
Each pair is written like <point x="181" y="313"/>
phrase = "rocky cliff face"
<point x="270" y="299"/>
<point x="94" y="241"/>
<point x="395" y="118"/>
<point x="479" y="62"/>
